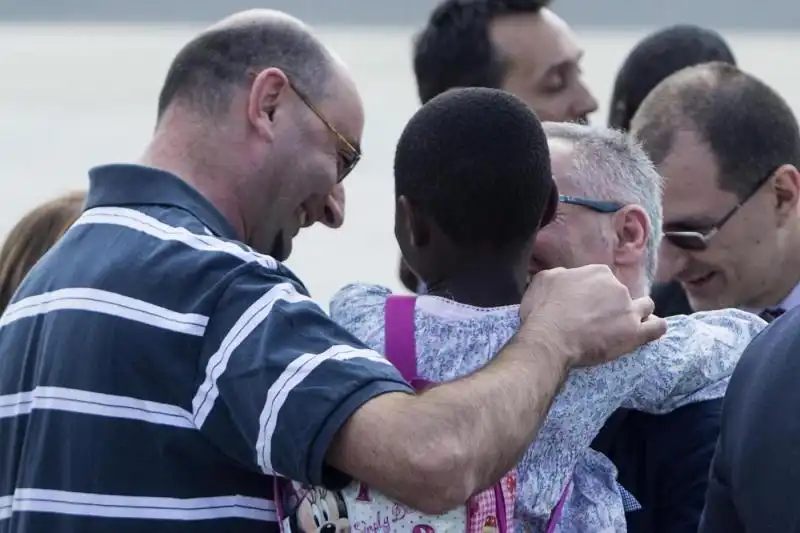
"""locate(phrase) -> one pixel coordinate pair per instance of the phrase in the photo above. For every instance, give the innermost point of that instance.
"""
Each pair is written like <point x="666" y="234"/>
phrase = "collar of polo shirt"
<point x="120" y="185"/>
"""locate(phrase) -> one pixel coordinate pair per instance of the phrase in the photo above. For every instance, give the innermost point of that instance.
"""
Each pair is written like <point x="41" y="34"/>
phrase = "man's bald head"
<point x="261" y="118"/>
<point x="227" y="54"/>
<point x="747" y="126"/>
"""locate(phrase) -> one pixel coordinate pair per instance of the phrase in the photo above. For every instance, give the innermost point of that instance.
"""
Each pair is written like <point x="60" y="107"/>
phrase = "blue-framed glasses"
<point x="599" y="206"/>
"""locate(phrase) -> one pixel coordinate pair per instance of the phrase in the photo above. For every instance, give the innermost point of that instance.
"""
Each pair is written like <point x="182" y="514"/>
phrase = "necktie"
<point x="772" y="314"/>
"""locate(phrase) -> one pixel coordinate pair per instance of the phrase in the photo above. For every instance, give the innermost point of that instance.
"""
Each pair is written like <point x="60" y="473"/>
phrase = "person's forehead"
<point x="561" y="164"/>
<point x="691" y="189"/>
<point x="535" y="42"/>
<point x="560" y="160"/>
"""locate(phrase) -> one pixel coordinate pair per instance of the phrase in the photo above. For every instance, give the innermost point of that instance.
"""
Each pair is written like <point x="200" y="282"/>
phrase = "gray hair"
<point x="610" y="165"/>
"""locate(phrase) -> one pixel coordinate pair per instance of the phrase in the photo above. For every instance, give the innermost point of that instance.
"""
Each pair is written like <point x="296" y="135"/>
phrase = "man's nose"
<point x="333" y="208"/>
<point x="585" y="102"/>
<point x="328" y="210"/>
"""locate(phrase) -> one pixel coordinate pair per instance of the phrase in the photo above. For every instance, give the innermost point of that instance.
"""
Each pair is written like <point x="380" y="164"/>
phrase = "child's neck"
<point x="483" y="285"/>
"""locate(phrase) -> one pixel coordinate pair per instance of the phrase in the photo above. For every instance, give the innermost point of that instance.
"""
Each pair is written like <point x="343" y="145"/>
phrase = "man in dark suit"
<point x="728" y="147"/>
<point x="755" y="474"/>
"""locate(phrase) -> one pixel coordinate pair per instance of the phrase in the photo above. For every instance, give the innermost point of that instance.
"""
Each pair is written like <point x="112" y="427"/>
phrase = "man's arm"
<point x="277" y="378"/>
<point x="693" y="362"/>
<point x="284" y="390"/>
<point x="441" y="442"/>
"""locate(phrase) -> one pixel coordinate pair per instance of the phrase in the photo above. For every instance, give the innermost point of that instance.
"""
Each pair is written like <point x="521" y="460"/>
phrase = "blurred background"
<point x="79" y="82"/>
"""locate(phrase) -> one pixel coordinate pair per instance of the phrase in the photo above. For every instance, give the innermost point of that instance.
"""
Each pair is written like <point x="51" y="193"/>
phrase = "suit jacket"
<point x="663" y="461"/>
<point x="755" y="473"/>
<point x="670" y="299"/>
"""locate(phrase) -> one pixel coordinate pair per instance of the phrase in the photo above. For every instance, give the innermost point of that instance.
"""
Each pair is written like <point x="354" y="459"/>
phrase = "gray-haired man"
<point x="610" y="214"/>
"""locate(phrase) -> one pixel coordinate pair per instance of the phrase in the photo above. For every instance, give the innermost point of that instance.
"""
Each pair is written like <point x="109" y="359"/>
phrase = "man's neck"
<point x="168" y="152"/>
<point x="777" y="289"/>
<point x="783" y="288"/>
<point x="483" y="285"/>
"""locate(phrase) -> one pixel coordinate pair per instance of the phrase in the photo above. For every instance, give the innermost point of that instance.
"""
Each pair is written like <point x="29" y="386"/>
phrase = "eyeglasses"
<point x="350" y="155"/>
<point x="697" y="240"/>
<point x="599" y="206"/>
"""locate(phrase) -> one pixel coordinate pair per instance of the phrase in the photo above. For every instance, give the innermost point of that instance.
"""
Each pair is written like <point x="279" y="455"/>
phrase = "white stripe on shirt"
<point x="94" y="403"/>
<point x="109" y="303"/>
<point x="141" y="507"/>
<point x="5" y="506"/>
<point x="252" y="318"/>
<point x="138" y="221"/>
<point x="290" y="378"/>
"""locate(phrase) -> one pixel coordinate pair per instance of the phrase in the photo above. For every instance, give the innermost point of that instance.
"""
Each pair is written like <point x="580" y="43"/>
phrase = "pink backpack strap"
<point x="400" y="344"/>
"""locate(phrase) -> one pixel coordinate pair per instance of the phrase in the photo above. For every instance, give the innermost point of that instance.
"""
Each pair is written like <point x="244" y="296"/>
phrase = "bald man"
<point x="160" y="365"/>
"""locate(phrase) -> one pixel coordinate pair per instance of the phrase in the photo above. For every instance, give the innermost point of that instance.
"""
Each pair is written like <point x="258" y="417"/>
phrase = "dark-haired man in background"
<point x="520" y="46"/>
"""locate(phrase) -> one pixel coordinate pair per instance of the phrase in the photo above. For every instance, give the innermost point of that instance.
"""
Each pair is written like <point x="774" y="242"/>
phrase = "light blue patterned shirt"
<point x="691" y="363"/>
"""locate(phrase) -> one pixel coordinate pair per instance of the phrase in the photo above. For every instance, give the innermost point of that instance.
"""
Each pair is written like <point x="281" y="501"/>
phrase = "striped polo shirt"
<point x="155" y="373"/>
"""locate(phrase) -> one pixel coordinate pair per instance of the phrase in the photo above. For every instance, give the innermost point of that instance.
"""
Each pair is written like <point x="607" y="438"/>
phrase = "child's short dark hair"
<point x="476" y="160"/>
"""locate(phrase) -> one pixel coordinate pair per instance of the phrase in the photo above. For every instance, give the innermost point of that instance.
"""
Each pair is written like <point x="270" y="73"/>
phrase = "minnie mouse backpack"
<point x="304" y="509"/>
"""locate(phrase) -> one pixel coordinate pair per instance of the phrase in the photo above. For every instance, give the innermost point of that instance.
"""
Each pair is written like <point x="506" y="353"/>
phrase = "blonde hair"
<point x="32" y="237"/>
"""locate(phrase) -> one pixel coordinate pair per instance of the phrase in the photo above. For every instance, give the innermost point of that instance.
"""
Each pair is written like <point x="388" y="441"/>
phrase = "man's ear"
<point x="267" y="91"/>
<point x="632" y="233"/>
<point x="786" y="188"/>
